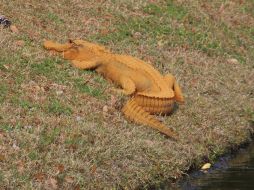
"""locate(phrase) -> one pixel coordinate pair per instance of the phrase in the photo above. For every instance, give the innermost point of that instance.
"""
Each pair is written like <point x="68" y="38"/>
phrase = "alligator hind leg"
<point x="127" y="85"/>
<point x="170" y="79"/>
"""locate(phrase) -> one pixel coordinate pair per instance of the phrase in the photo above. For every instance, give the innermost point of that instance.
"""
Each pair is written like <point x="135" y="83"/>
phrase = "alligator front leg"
<point x="171" y="81"/>
<point x="50" y="45"/>
<point x="91" y="64"/>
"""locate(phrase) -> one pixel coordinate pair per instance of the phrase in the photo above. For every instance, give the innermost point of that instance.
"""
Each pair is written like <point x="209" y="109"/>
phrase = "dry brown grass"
<point x="53" y="130"/>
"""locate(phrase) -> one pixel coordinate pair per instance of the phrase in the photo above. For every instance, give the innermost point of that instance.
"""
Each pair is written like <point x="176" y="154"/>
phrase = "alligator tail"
<point x="136" y="113"/>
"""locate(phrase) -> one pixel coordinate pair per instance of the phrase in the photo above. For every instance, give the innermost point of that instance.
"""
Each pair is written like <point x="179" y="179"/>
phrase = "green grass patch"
<point x="88" y="89"/>
<point x="248" y="7"/>
<point x="54" y="18"/>
<point x="6" y="127"/>
<point x="155" y="28"/>
<point x="48" y="68"/>
<point x="178" y="25"/>
<point x="47" y="137"/>
<point x="23" y="103"/>
<point x="19" y="78"/>
<point x="153" y="9"/>
<point x="57" y="108"/>
<point x="175" y="11"/>
<point x="75" y="140"/>
<point x="9" y="127"/>
<point x="249" y="113"/>
<point x="3" y="61"/>
<point x="169" y="10"/>
<point x="34" y="155"/>
<point x="3" y="92"/>
<point x="1" y="177"/>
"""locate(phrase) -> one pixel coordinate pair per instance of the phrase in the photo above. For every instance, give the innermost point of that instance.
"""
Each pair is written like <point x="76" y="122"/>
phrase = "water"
<point x="235" y="173"/>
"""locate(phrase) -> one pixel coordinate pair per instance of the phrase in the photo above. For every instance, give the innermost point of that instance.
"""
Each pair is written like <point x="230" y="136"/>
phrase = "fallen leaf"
<point x="51" y="183"/>
<point x="160" y="43"/>
<point x="2" y="134"/>
<point x="69" y="179"/>
<point x="73" y="147"/>
<point x="149" y="59"/>
<point x="193" y="30"/>
<point x="59" y="92"/>
<point x="233" y="61"/>
<point x="53" y="52"/>
<point x="222" y="8"/>
<point x="15" y="147"/>
<point x="104" y="32"/>
<point x="60" y="167"/>
<point x="105" y="110"/>
<point x="20" y="167"/>
<point x="28" y="127"/>
<point x="78" y="118"/>
<point x="2" y="158"/>
<point x="20" y="43"/>
<point x="37" y="87"/>
<point x="77" y="187"/>
<point x="93" y="169"/>
<point x="99" y="9"/>
<point x="33" y="35"/>
<point x="137" y="35"/>
<point x="113" y="101"/>
<point x="39" y="176"/>
<point x="194" y="82"/>
<point x="14" y="29"/>
<point x="206" y="166"/>
<point x="149" y="143"/>
<point x="6" y="67"/>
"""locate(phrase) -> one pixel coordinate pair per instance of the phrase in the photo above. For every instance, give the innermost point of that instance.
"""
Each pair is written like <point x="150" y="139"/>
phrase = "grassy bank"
<point x="55" y="131"/>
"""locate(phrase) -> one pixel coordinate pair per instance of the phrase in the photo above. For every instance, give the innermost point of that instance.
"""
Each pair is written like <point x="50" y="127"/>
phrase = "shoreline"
<point x="220" y="163"/>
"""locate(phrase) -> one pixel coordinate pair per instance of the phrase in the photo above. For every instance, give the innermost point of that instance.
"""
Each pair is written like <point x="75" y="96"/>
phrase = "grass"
<point x="54" y="130"/>
<point x="55" y="107"/>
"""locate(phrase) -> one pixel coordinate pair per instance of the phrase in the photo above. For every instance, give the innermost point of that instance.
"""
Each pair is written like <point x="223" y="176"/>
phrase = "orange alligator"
<point x="151" y="92"/>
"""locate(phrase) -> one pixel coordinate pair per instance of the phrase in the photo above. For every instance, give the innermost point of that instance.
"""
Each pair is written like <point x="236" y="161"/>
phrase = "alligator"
<point x="150" y="92"/>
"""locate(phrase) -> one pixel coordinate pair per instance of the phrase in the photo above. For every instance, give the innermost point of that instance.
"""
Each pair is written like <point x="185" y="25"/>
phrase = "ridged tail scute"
<point x="154" y="105"/>
<point x="136" y="113"/>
